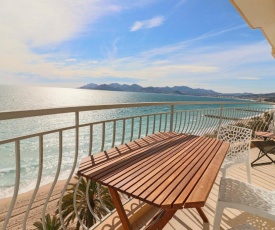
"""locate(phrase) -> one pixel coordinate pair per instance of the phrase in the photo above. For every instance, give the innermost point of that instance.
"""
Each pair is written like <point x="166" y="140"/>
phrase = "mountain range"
<point x="182" y="90"/>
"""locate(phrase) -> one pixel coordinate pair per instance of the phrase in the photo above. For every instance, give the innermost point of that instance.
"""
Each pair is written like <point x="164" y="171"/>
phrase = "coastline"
<point x="22" y="203"/>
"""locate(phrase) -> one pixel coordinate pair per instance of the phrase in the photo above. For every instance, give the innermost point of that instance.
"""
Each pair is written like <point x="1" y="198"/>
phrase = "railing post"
<point x="220" y="122"/>
<point x="172" y="118"/>
<point x="71" y="174"/>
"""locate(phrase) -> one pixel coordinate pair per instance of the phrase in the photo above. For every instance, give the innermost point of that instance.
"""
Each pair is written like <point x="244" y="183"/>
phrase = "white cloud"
<point x="38" y="22"/>
<point x="249" y="78"/>
<point x="146" y="24"/>
<point x="181" y="64"/>
<point x="71" y="60"/>
<point x="189" y="64"/>
<point x="28" y="25"/>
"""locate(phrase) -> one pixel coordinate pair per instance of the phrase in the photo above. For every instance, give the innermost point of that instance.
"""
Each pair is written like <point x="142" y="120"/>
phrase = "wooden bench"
<point x="168" y="170"/>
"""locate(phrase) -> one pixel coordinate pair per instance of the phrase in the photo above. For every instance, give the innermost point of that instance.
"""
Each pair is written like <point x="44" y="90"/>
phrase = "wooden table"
<point x="168" y="170"/>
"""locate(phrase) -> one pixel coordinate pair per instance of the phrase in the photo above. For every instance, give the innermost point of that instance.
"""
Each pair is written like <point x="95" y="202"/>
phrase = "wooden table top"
<point x="168" y="170"/>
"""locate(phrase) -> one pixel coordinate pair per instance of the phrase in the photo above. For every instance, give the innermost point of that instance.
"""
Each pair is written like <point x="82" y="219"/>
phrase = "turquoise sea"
<point x="29" y="98"/>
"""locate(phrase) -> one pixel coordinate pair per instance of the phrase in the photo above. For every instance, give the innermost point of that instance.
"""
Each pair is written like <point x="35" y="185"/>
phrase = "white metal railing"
<point x="106" y="133"/>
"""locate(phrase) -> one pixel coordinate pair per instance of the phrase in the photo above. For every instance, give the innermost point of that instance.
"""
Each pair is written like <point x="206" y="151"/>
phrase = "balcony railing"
<point x="51" y="142"/>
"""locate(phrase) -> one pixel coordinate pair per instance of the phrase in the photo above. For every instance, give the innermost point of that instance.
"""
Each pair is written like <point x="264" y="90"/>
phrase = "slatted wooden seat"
<point x="167" y="170"/>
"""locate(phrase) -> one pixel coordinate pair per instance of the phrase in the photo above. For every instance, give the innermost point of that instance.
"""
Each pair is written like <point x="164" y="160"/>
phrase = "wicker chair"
<point x="239" y="151"/>
<point x="245" y="197"/>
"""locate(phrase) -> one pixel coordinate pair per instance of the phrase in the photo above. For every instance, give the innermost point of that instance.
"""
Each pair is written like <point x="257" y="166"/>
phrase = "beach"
<point x="22" y="203"/>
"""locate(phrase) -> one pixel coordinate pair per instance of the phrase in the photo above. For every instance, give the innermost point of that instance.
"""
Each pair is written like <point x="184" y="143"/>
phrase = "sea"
<point x="14" y="98"/>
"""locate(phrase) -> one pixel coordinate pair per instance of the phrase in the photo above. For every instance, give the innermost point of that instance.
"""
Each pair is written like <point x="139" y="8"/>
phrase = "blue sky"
<point x="200" y="44"/>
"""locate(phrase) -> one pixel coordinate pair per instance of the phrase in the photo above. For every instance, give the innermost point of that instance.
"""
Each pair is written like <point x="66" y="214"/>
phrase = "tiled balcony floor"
<point x="189" y="219"/>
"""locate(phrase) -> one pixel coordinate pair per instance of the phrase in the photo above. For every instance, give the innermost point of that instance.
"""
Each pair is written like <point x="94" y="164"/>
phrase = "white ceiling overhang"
<point x="259" y="14"/>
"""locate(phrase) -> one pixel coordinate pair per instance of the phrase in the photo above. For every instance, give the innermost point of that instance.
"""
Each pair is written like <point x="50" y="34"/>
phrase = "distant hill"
<point x="182" y="90"/>
<point x="269" y="97"/>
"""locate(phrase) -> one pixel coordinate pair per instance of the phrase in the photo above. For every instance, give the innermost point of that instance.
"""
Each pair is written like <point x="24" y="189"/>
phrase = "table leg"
<point x="160" y="219"/>
<point x="120" y="210"/>
<point x="202" y="215"/>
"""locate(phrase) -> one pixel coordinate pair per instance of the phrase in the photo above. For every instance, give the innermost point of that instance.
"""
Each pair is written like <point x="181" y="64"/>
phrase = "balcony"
<point x="45" y="147"/>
